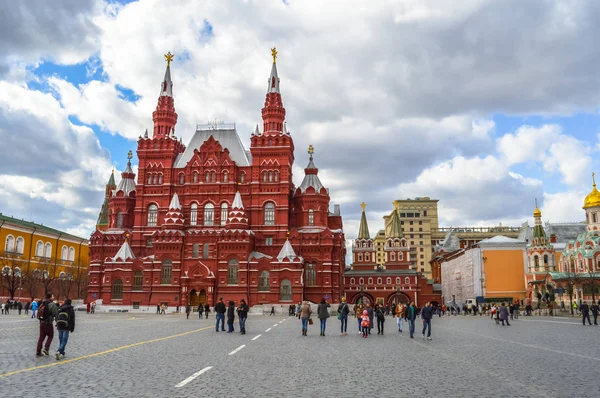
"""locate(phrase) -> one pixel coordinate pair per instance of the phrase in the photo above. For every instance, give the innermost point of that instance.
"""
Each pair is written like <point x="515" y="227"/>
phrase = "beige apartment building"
<point x="419" y="218"/>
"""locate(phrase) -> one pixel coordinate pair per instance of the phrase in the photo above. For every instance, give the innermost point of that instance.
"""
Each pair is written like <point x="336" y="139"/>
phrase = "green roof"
<point x="37" y="227"/>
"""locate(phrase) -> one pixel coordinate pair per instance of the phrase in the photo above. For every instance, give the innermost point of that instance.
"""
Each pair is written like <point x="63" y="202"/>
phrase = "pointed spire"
<point x="125" y="253"/>
<point x="174" y="217"/>
<point x="537" y="213"/>
<point x="127" y="184"/>
<point x="175" y="205"/>
<point x="273" y="113"/>
<point x="237" y="219"/>
<point x="396" y="230"/>
<point x="165" y="117"/>
<point x="166" y="88"/>
<point x="273" y="77"/>
<point x="257" y="131"/>
<point x="285" y="130"/>
<point x="287" y="251"/>
<point x="111" y="179"/>
<point x="311" y="177"/>
<point x="146" y="134"/>
<point x="363" y="230"/>
<point x="593" y="198"/>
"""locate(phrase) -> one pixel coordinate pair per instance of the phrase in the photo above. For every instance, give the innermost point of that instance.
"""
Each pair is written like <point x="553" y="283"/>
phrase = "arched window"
<point x="152" y="215"/>
<point x="120" y="217"/>
<point x="20" y="245"/>
<point x="269" y="214"/>
<point x="205" y="250"/>
<point x="64" y="253"/>
<point x="117" y="290"/>
<point x="181" y="179"/>
<point x="388" y="281"/>
<point x="276" y="176"/>
<point x="242" y="177"/>
<point x="270" y="176"/>
<point x="379" y="281"/>
<point x="407" y="280"/>
<point x="18" y="273"/>
<point x="360" y="256"/>
<point x="195" y="176"/>
<point x="155" y="179"/>
<point x="264" y="175"/>
<point x="397" y="280"/>
<point x="393" y="256"/>
<point x="352" y="281"/>
<point x="193" y="214"/>
<point x="48" y="250"/>
<point x="546" y="261"/>
<point x="224" y="213"/>
<point x="138" y="280"/>
<point x="212" y="176"/>
<point x="264" y="282"/>
<point x="361" y="281"/>
<point x="311" y="274"/>
<point x="370" y="281"/>
<point x="285" y="290"/>
<point x="209" y="215"/>
<point x="160" y="179"/>
<point x="367" y="257"/>
<point x="10" y="244"/>
<point x="207" y="177"/>
<point x="232" y="272"/>
<point x="166" y="272"/>
<point x="149" y="179"/>
<point x="195" y="250"/>
<point x="400" y="256"/>
<point x="225" y="176"/>
<point x="39" y="249"/>
<point x="311" y="217"/>
<point x="536" y="262"/>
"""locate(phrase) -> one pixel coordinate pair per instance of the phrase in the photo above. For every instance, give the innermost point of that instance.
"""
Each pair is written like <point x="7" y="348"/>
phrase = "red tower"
<point x="213" y="219"/>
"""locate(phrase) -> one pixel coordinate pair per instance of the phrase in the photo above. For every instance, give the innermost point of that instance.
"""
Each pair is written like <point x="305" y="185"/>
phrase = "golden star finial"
<point x="274" y="54"/>
<point x="169" y="57"/>
<point x="363" y="205"/>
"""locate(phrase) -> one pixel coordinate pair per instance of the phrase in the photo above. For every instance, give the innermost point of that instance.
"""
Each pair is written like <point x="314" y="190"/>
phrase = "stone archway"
<point x="364" y="298"/>
<point x="194" y="299"/>
<point x="398" y="297"/>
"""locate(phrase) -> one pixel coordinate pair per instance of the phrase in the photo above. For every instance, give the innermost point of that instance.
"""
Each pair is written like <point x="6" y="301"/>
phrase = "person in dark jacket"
<point x="344" y="310"/>
<point x="594" y="309"/>
<point x="503" y="314"/>
<point x="46" y="327"/>
<point x="411" y="316"/>
<point x="188" y="309"/>
<point x="26" y="308"/>
<point x="206" y="310"/>
<point x="585" y="313"/>
<point x="19" y="307"/>
<point x="242" y="312"/>
<point x="323" y="314"/>
<point x="371" y="316"/>
<point x="220" y="311"/>
<point x="426" y="315"/>
<point x="380" y="315"/>
<point x="65" y="323"/>
<point x="230" y="316"/>
<point x="200" y="311"/>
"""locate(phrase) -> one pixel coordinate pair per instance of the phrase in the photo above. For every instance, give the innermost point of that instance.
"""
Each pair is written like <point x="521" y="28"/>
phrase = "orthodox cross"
<point x="311" y="150"/>
<point x="274" y="54"/>
<point x="169" y="58"/>
<point x="593" y="179"/>
<point x="129" y="155"/>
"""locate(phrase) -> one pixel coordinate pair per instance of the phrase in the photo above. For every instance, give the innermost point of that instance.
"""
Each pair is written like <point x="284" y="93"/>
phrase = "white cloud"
<point x="564" y="206"/>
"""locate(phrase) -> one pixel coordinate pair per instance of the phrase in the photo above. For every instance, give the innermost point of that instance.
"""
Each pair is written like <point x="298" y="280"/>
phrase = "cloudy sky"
<point x="484" y="105"/>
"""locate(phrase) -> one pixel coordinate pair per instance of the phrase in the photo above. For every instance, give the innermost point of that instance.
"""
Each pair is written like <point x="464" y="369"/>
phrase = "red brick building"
<point x="212" y="219"/>
<point x="396" y="279"/>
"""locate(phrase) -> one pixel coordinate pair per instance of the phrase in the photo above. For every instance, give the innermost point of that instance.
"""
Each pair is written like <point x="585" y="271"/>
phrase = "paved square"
<point x="124" y="355"/>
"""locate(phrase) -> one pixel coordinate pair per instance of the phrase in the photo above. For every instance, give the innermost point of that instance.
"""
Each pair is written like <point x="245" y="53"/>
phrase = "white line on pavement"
<point x="254" y="338"/>
<point x="237" y="349"/>
<point x="280" y="321"/>
<point x="192" y="377"/>
<point x="274" y="325"/>
<point x="267" y="330"/>
<point x="564" y="323"/>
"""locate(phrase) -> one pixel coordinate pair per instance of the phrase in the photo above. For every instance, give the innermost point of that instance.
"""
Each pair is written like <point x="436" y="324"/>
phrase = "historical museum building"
<point x="36" y="259"/>
<point x="392" y="278"/>
<point x="213" y="219"/>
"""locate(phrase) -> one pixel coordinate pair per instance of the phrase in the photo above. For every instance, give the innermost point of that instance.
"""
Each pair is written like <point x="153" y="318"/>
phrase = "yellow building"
<point x="35" y="259"/>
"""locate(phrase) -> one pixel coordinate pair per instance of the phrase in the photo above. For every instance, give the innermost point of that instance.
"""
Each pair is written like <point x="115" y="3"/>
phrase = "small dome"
<point x="593" y="198"/>
<point x="537" y="212"/>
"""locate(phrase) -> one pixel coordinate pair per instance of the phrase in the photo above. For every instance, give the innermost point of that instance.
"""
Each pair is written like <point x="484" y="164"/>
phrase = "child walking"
<point x="365" y="324"/>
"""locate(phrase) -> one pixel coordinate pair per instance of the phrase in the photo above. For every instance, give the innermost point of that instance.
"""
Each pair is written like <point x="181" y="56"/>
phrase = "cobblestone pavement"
<point x="125" y="355"/>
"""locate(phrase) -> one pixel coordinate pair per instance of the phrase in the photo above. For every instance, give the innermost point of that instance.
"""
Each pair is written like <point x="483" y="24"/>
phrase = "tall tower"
<point x="103" y="217"/>
<point x="165" y="117"/>
<point x="273" y="113"/>
<point x="311" y="207"/>
<point x="122" y="203"/>
<point x="591" y="205"/>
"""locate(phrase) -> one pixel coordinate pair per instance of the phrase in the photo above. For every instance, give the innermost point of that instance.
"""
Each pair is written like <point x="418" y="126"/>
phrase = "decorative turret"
<point x="273" y="113"/>
<point x="103" y="217"/>
<point x="127" y="184"/>
<point x="287" y="252"/>
<point x="237" y="218"/>
<point x="121" y="204"/>
<point x="363" y="230"/>
<point x="591" y="205"/>
<point x="311" y="177"/>
<point x="174" y="217"/>
<point x="165" y="117"/>
<point x="539" y="237"/>
<point x="396" y="230"/>
<point x="124" y="254"/>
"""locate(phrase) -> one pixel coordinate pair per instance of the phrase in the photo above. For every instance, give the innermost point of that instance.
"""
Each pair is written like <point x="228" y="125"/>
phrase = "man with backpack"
<point x="65" y="323"/>
<point x="46" y="313"/>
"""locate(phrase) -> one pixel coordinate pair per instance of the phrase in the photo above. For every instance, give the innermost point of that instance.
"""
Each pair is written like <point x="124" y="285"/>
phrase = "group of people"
<point x="230" y="311"/>
<point x="51" y="315"/>
<point x="202" y="309"/>
<point x="15" y="305"/>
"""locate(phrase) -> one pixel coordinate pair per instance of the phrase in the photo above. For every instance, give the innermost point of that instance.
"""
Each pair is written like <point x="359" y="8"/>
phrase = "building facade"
<point x="213" y="219"/>
<point x="36" y="259"/>
<point x="393" y="278"/>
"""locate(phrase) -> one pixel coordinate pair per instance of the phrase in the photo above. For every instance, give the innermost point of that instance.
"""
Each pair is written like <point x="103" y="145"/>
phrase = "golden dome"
<point x="537" y="212"/>
<point x="593" y="198"/>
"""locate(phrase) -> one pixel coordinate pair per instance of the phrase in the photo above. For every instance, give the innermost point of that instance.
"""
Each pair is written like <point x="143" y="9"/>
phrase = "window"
<point x="411" y="223"/>
<point x="270" y="176"/>
<point x="311" y="217"/>
<point x="10" y="244"/>
<point x="379" y="281"/>
<point x="400" y="256"/>
<point x="393" y="256"/>
<point x="594" y="218"/>
<point x="422" y="269"/>
<point x="352" y="281"/>
<point x="420" y="249"/>
<point x="367" y="257"/>
<point x="71" y="254"/>
<point x="269" y="214"/>
<point x="285" y="290"/>
<point x="48" y="250"/>
<point x="224" y="213"/>
<point x="546" y="261"/>
<point x="311" y="274"/>
<point x="120" y="216"/>
<point x="388" y="281"/>
<point x="397" y="280"/>
<point x="195" y="176"/>
<point x="370" y="281"/>
<point x="242" y="177"/>
<point x="420" y="242"/>
<point x="207" y="177"/>
<point x="407" y="280"/>
<point x="276" y="175"/>
<point x="424" y="213"/>
<point x="181" y="179"/>
<point x="149" y="242"/>
<point x="64" y="253"/>
<point x="195" y="250"/>
<point x="536" y="262"/>
<point x="421" y="256"/>
<point x="193" y="214"/>
<point x="420" y="235"/>
<point x="160" y="179"/>
<point x="209" y="214"/>
<point x="269" y="241"/>
<point x="205" y="250"/>
<point x="138" y="279"/>
<point x="212" y="176"/>
<point x="166" y="272"/>
<point x="39" y="249"/>
<point x="232" y="272"/>
<point x="420" y="229"/>
<point x="225" y="177"/>
<point x="152" y="215"/>
<point x="117" y="290"/>
<point x="149" y="179"/>
<point x="263" y="282"/>
<point x="154" y="179"/>
<point x="360" y="256"/>
<point x="20" y="245"/>
<point x="264" y="176"/>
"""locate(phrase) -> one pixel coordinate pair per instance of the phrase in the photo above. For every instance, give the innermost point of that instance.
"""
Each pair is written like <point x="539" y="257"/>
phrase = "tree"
<point x="80" y="279"/>
<point x="31" y="279"/>
<point x="49" y="269"/>
<point x="11" y="272"/>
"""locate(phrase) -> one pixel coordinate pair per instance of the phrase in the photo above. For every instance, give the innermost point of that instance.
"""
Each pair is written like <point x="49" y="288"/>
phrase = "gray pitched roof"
<point x="228" y="138"/>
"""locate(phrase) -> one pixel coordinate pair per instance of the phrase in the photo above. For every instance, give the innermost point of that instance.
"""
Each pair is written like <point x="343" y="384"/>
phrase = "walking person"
<point x="516" y="310"/>
<point x="200" y="311"/>
<point x="380" y="315"/>
<point x="411" y="316"/>
<point x="188" y="309"/>
<point x="511" y="310"/>
<point x="426" y="315"/>
<point x="65" y="323"/>
<point x="323" y="314"/>
<point x="230" y="316"/>
<point x="46" y="313"/>
<point x="7" y="307"/>
<point x="358" y="311"/>
<point x="19" y="307"/>
<point x="206" y="310"/>
<point x="220" y="311"/>
<point x="305" y="312"/>
<point x="163" y="309"/>
<point x="400" y="314"/>
<point x="365" y="324"/>
<point x="34" y="307"/>
<point x="93" y="308"/>
<point x="26" y="307"/>
<point x="272" y="310"/>
<point x="298" y="309"/>
<point x="343" y="312"/>
<point x="242" y="312"/>
<point x="503" y="314"/>
<point x="87" y="308"/>
<point x="594" y="309"/>
<point x="585" y="313"/>
<point x="2" y="308"/>
<point x="158" y="309"/>
<point x="371" y="316"/>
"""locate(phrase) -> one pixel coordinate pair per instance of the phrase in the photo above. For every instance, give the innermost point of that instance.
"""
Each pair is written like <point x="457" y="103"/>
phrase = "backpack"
<point x="43" y="312"/>
<point x="62" y="319"/>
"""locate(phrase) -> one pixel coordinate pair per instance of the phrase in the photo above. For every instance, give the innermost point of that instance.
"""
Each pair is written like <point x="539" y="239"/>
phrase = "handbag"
<point x="310" y="321"/>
